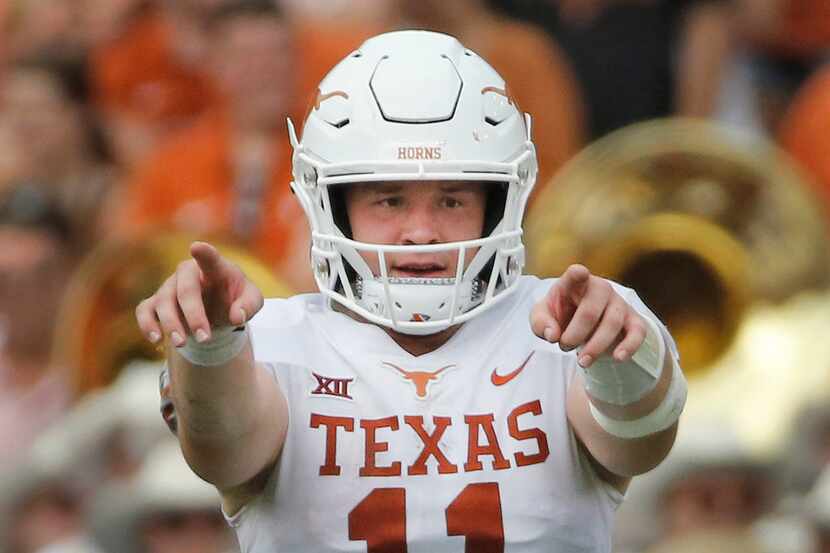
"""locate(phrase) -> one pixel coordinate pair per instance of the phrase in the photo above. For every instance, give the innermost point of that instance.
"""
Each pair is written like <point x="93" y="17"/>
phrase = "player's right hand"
<point x="206" y="292"/>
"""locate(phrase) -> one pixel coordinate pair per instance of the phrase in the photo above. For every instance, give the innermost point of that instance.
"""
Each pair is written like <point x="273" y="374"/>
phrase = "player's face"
<point x="417" y="213"/>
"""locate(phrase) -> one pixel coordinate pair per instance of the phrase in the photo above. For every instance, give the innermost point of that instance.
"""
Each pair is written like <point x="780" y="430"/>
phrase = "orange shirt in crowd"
<point x="189" y="185"/>
<point x="803" y="29"/>
<point x="804" y="130"/>
<point x="543" y="85"/>
<point x="4" y="25"/>
<point x="136" y="74"/>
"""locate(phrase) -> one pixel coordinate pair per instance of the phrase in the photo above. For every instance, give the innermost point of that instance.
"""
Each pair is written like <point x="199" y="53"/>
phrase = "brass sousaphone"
<point x="722" y="238"/>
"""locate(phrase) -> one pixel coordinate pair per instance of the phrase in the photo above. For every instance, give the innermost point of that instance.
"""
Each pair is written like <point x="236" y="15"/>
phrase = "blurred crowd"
<point x="122" y="120"/>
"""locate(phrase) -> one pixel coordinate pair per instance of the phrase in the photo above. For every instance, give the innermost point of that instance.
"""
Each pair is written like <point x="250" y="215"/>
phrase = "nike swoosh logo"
<point x="500" y="380"/>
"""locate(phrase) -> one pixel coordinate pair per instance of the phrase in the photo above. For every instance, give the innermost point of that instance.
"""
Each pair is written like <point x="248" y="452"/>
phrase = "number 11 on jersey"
<point x="475" y="513"/>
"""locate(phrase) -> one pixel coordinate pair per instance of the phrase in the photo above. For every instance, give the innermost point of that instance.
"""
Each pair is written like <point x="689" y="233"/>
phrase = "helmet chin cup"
<point x="410" y="106"/>
<point x="418" y="301"/>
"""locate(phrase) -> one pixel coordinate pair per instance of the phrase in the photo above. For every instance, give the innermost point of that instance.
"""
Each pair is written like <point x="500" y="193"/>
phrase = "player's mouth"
<point x="419" y="270"/>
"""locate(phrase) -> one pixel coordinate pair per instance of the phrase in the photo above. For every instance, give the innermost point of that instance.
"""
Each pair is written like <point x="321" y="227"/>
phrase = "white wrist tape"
<point x="621" y="383"/>
<point x="224" y="345"/>
<point x="665" y="415"/>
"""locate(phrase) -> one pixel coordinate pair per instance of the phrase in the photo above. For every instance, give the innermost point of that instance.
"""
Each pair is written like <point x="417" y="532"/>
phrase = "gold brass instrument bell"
<point x="722" y="238"/>
<point x="97" y="334"/>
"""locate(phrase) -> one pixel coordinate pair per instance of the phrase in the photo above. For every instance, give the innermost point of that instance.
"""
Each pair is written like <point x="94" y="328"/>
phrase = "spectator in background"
<point x="540" y="78"/>
<point x="808" y="449"/>
<point x="349" y="11"/>
<point x="35" y="260"/>
<point x="788" y="29"/>
<point x="43" y="511"/>
<point x="146" y="73"/>
<point x="46" y="138"/>
<point x="102" y="441"/>
<point x="227" y="175"/>
<point x="817" y="510"/>
<point x="638" y="59"/>
<point x="706" y="496"/>
<point x="803" y="131"/>
<point x="712" y="508"/>
<point x="149" y="80"/>
<point x="781" y="43"/>
<point x="4" y="25"/>
<point x="45" y="27"/>
<point x="165" y="508"/>
<point x="50" y="30"/>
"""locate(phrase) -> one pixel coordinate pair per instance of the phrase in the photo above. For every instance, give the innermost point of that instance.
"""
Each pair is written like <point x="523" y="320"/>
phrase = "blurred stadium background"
<point x="684" y="149"/>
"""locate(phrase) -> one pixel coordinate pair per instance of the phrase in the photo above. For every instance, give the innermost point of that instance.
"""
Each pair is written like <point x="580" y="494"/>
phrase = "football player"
<point x="430" y="397"/>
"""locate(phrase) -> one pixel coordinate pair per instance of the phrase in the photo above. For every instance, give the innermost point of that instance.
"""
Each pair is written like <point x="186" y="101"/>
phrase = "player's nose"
<point x="420" y="226"/>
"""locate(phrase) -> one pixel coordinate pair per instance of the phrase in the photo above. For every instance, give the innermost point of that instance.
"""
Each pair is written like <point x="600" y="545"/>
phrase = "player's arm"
<point x="231" y="415"/>
<point x="625" y="402"/>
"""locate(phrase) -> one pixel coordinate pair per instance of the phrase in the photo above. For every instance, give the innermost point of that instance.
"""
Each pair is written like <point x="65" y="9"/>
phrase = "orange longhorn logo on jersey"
<point x="420" y="379"/>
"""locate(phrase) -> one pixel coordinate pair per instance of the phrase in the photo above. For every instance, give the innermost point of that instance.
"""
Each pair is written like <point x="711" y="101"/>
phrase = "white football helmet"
<point x="409" y="106"/>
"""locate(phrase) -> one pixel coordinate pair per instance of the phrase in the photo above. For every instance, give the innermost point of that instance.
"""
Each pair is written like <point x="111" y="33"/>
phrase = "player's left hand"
<point x="583" y="310"/>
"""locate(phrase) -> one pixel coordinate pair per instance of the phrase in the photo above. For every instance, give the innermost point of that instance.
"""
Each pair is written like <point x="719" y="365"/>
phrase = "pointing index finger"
<point x="574" y="282"/>
<point x="208" y="259"/>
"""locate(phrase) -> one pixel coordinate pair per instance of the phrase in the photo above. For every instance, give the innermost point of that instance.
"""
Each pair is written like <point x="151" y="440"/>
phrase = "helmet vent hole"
<point x="340" y="124"/>
<point x="443" y="303"/>
<point x="357" y="54"/>
<point x="491" y="121"/>
<point x="398" y="305"/>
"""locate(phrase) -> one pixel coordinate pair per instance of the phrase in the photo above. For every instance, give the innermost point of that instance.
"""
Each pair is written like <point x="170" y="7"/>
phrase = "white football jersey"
<point x="464" y="449"/>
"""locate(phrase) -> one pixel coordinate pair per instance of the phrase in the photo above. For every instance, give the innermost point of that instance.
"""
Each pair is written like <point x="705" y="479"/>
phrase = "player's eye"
<point x="391" y="201"/>
<point x="451" y="202"/>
